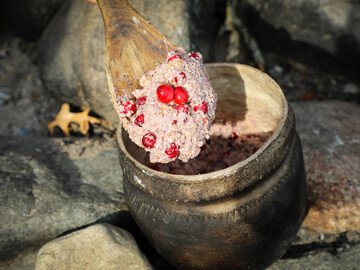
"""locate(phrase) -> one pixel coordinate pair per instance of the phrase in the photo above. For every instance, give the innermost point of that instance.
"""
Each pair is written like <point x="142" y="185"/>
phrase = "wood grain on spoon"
<point x="133" y="47"/>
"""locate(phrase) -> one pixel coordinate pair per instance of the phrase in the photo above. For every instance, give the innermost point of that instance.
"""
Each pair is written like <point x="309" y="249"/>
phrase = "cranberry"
<point x="195" y="56"/>
<point x="180" y="95"/>
<point x="203" y="107"/>
<point x="165" y="93"/>
<point x="149" y="140"/>
<point x="129" y="107"/>
<point x="176" y="56"/>
<point x="234" y="135"/>
<point x="139" y="120"/>
<point x="182" y="76"/>
<point x="182" y="109"/>
<point x="174" y="122"/>
<point x="141" y="100"/>
<point x="172" y="151"/>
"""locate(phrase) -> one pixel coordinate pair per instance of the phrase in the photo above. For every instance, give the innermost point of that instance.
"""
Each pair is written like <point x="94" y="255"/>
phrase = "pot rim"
<point x="229" y="170"/>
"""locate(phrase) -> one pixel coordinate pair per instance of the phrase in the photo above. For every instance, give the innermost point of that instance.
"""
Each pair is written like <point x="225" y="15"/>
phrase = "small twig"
<point x="103" y="125"/>
<point x="233" y="22"/>
<point x="30" y="157"/>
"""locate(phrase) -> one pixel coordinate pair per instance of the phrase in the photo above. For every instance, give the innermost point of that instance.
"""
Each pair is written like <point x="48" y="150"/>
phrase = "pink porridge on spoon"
<point x="174" y="108"/>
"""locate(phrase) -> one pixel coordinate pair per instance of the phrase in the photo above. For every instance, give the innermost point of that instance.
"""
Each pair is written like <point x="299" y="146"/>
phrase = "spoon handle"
<point x="133" y="47"/>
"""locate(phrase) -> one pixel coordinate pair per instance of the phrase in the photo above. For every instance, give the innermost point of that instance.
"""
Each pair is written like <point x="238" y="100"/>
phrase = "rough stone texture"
<point x="313" y="250"/>
<point x="322" y="260"/>
<point x="169" y="16"/>
<point x="71" y="58"/>
<point x="330" y="28"/>
<point x="28" y="18"/>
<point x="330" y="133"/>
<point x="50" y="186"/>
<point x="71" y="52"/>
<point x="100" y="246"/>
<point x="25" y="106"/>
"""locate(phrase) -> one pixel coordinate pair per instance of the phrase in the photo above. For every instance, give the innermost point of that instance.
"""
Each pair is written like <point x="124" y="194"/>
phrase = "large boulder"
<point x="326" y="31"/>
<point x="71" y="52"/>
<point x="51" y="186"/>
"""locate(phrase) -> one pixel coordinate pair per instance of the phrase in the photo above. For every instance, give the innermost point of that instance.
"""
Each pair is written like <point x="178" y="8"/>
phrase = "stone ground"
<point x="51" y="186"/>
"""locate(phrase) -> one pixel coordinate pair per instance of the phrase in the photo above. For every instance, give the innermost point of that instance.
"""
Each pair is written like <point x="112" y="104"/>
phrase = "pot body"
<point x="243" y="217"/>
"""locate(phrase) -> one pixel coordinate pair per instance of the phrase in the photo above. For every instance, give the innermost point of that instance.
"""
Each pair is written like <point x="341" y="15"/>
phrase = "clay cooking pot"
<point x="241" y="217"/>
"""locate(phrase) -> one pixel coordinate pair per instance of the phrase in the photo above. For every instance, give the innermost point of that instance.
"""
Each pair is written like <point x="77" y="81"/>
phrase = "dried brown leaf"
<point x="65" y="117"/>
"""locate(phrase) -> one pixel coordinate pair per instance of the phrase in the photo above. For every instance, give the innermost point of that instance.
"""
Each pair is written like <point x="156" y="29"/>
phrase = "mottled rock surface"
<point x="51" y="186"/>
<point x="330" y="133"/>
<point x="318" y="30"/>
<point x="25" y="105"/>
<point x="100" y="246"/>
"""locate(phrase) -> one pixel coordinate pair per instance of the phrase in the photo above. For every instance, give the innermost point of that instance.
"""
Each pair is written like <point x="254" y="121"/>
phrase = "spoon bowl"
<point x="132" y="47"/>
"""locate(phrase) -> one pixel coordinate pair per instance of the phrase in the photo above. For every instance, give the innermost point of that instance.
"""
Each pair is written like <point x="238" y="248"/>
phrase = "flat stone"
<point x="322" y="259"/>
<point x="330" y="135"/>
<point x="50" y="186"/>
<point x="100" y="246"/>
<point x="171" y="17"/>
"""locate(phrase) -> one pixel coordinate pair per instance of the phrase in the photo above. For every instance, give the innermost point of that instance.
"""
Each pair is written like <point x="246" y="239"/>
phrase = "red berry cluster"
<point x="166" y="94"/>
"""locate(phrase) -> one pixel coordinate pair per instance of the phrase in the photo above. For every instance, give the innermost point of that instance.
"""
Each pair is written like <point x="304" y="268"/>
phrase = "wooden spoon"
<point x="133" y="47"/>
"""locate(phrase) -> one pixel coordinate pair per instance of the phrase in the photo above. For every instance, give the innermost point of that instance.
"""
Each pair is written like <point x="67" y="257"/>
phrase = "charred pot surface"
<point x="240" y="217"/>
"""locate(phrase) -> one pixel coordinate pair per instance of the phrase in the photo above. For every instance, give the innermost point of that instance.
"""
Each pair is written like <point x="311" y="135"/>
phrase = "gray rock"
<point x="100" y="246"/>
<point x="51" y="186"/>
<point x="330" y="235"/>
<point x="71" y="58"/>
<point x="308" y="27"/>
<point x="330" y="133"/>
<point x="71" y="52"/>
<point x="171" y="17"/>
<point x="322" y="260"/>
